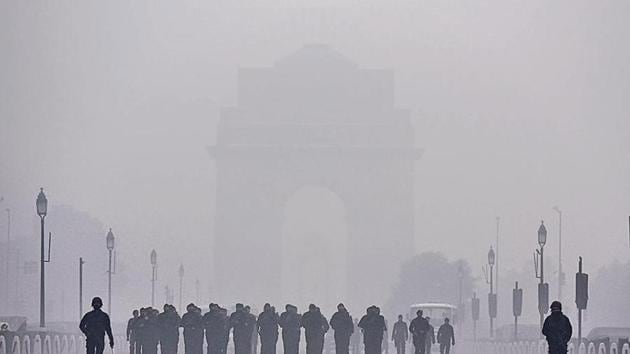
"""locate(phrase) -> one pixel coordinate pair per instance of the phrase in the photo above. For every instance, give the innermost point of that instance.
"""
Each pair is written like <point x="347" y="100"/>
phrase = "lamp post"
<point x="110" y="247"/>
<point x="81" y="263"/>
<point x="8" y="255"/>
<point x="543" y="288"/>
<point x="42" y="210"/>
<point x="560" y="274"/>
<point x="153" y="276"/>
<point x="492" y="299"/>
<point x="496" y="280"/>
<point x="181" y="285"/>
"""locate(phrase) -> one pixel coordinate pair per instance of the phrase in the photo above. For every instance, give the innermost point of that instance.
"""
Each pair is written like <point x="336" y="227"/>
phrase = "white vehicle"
<point x="437" y="312"/>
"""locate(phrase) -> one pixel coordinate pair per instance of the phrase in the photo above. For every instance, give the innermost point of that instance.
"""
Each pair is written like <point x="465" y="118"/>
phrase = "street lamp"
<point x="181" y="285"/>
<point x="560" y="273"/>
<point x="42" y="210"/>
<point x="153" y="276"/>
<point x="492" y="298"/>
<point x="543" y="288"/>
<point x="109" y="240"/>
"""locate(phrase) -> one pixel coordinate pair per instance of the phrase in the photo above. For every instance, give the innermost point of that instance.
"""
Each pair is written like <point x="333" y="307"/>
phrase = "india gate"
<point x="315" y="120"/>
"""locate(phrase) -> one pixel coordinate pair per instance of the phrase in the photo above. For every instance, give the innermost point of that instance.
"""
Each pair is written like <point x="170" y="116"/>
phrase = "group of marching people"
<point x="149" y="329"/>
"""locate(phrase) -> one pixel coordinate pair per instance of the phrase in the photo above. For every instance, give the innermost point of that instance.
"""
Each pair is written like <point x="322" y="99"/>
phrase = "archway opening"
<point x="314" y="249"/>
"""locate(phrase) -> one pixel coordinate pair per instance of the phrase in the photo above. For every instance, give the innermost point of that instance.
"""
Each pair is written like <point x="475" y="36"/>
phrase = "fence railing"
<point x="47" y="343"/>
<point x="540" y="347"/>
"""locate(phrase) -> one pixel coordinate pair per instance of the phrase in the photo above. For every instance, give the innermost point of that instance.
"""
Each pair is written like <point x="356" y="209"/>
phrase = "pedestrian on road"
<point x="341" y="323"/>
<point x="446" y="337"/>
<point x="430" y="337"/>
<point x="290" y="321"/>
<point x="418" y="328"/>
<point x="373" y="327"/>
<point x="94" y="325"/>
<point x="400" y="335"/>
<point x="131" y="332"/>
<point x="557" y="329"/>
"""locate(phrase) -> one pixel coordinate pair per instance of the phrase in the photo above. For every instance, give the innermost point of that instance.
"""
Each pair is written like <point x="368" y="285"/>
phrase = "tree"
<point x="429" y="277"/>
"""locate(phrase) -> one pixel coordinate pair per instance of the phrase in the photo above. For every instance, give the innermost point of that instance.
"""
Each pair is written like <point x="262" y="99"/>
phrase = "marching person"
<point x="400" y="335"/>
<point x="446" y="337"/>
<point x="418" y="328"/>
<point x="94" y="325"/>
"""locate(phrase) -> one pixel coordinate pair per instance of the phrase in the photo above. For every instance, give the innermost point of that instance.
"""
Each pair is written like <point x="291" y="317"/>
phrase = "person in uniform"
<point x="193" y="330"/>
<point x="341" y="323"/>
<point x="430" y="336"/>
<point x="151" y="336"/>
<point x="446" y="337"/>
<point x="557" y="329"/>
<point x="315" y="328"/>
<point x="241" y="332"/>
<point x="268" y="329"/>
<point x="131" y="332"/>
<point x="168" y="322"/>
<point x="418" y="328"/>
<point x="290" y="321"/>
<point x="214" y="324"/>
<point x="400" y="335"/>
<point x="372" y="325"/>
<point x="94" y="325"/>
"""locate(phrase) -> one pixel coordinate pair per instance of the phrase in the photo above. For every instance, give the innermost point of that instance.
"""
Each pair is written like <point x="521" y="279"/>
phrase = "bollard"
<point x="47" y="348"/>
<point x="614" y="348"/>
<point x="15" y="346"/>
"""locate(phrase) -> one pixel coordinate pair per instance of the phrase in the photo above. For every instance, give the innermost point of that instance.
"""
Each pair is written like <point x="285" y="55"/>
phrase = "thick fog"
<point x="114" y="109"/>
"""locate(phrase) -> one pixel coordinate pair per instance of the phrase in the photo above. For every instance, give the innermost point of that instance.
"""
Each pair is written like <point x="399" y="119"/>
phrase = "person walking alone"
<point x="400" y="335"/>
<point x="94" y="325"/>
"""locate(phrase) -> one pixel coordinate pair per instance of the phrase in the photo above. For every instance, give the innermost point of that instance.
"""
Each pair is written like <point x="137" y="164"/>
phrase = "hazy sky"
<point x="518" y="105"/>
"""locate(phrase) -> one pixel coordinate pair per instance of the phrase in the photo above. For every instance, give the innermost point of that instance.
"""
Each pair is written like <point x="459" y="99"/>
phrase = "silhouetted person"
<point x="168" y="322"/>
<point x="252" y="328"/>
<point x="226" y="329"/>
<point x="151" y="336"/>
<point x="94" y="325"/>
<point x="557" y="329"/>
<point x="241" y="330"/>
<point x="430" y="337"/>
<point x="400" y="335"/>
<point x="131" y="332"/>
<point x="214" y="324"/>
<point x="315" y="328"/>
<point x="341" y="323"/>
<point x="268" y="329"/>
<point x="193" y="330"/>
<point x="446" y="337"/>
<point x="373" y="326"/>
<point x="418" y="328"/>
<point x="290" y="321"/>
<point x="385" y="342"/>
<point x="355" y="339"/>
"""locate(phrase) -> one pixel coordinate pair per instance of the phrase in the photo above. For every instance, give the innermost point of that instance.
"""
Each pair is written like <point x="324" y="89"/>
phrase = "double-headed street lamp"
<point x="153" y="276"/>
<point x="181" y="285"/>
<point x="492" y="297"/>
<point x="543" y="288"/>
<point x="109" y="240"/>
<point x="42" y="210"/>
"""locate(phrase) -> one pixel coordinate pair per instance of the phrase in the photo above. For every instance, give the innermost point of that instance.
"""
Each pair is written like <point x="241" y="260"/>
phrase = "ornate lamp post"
<point x="42" y="210"/>
<point x="543" y="288"/>
<point x="492" y="299"/>
<point x="109" y="239"/>
<point x="153" y="276"/>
